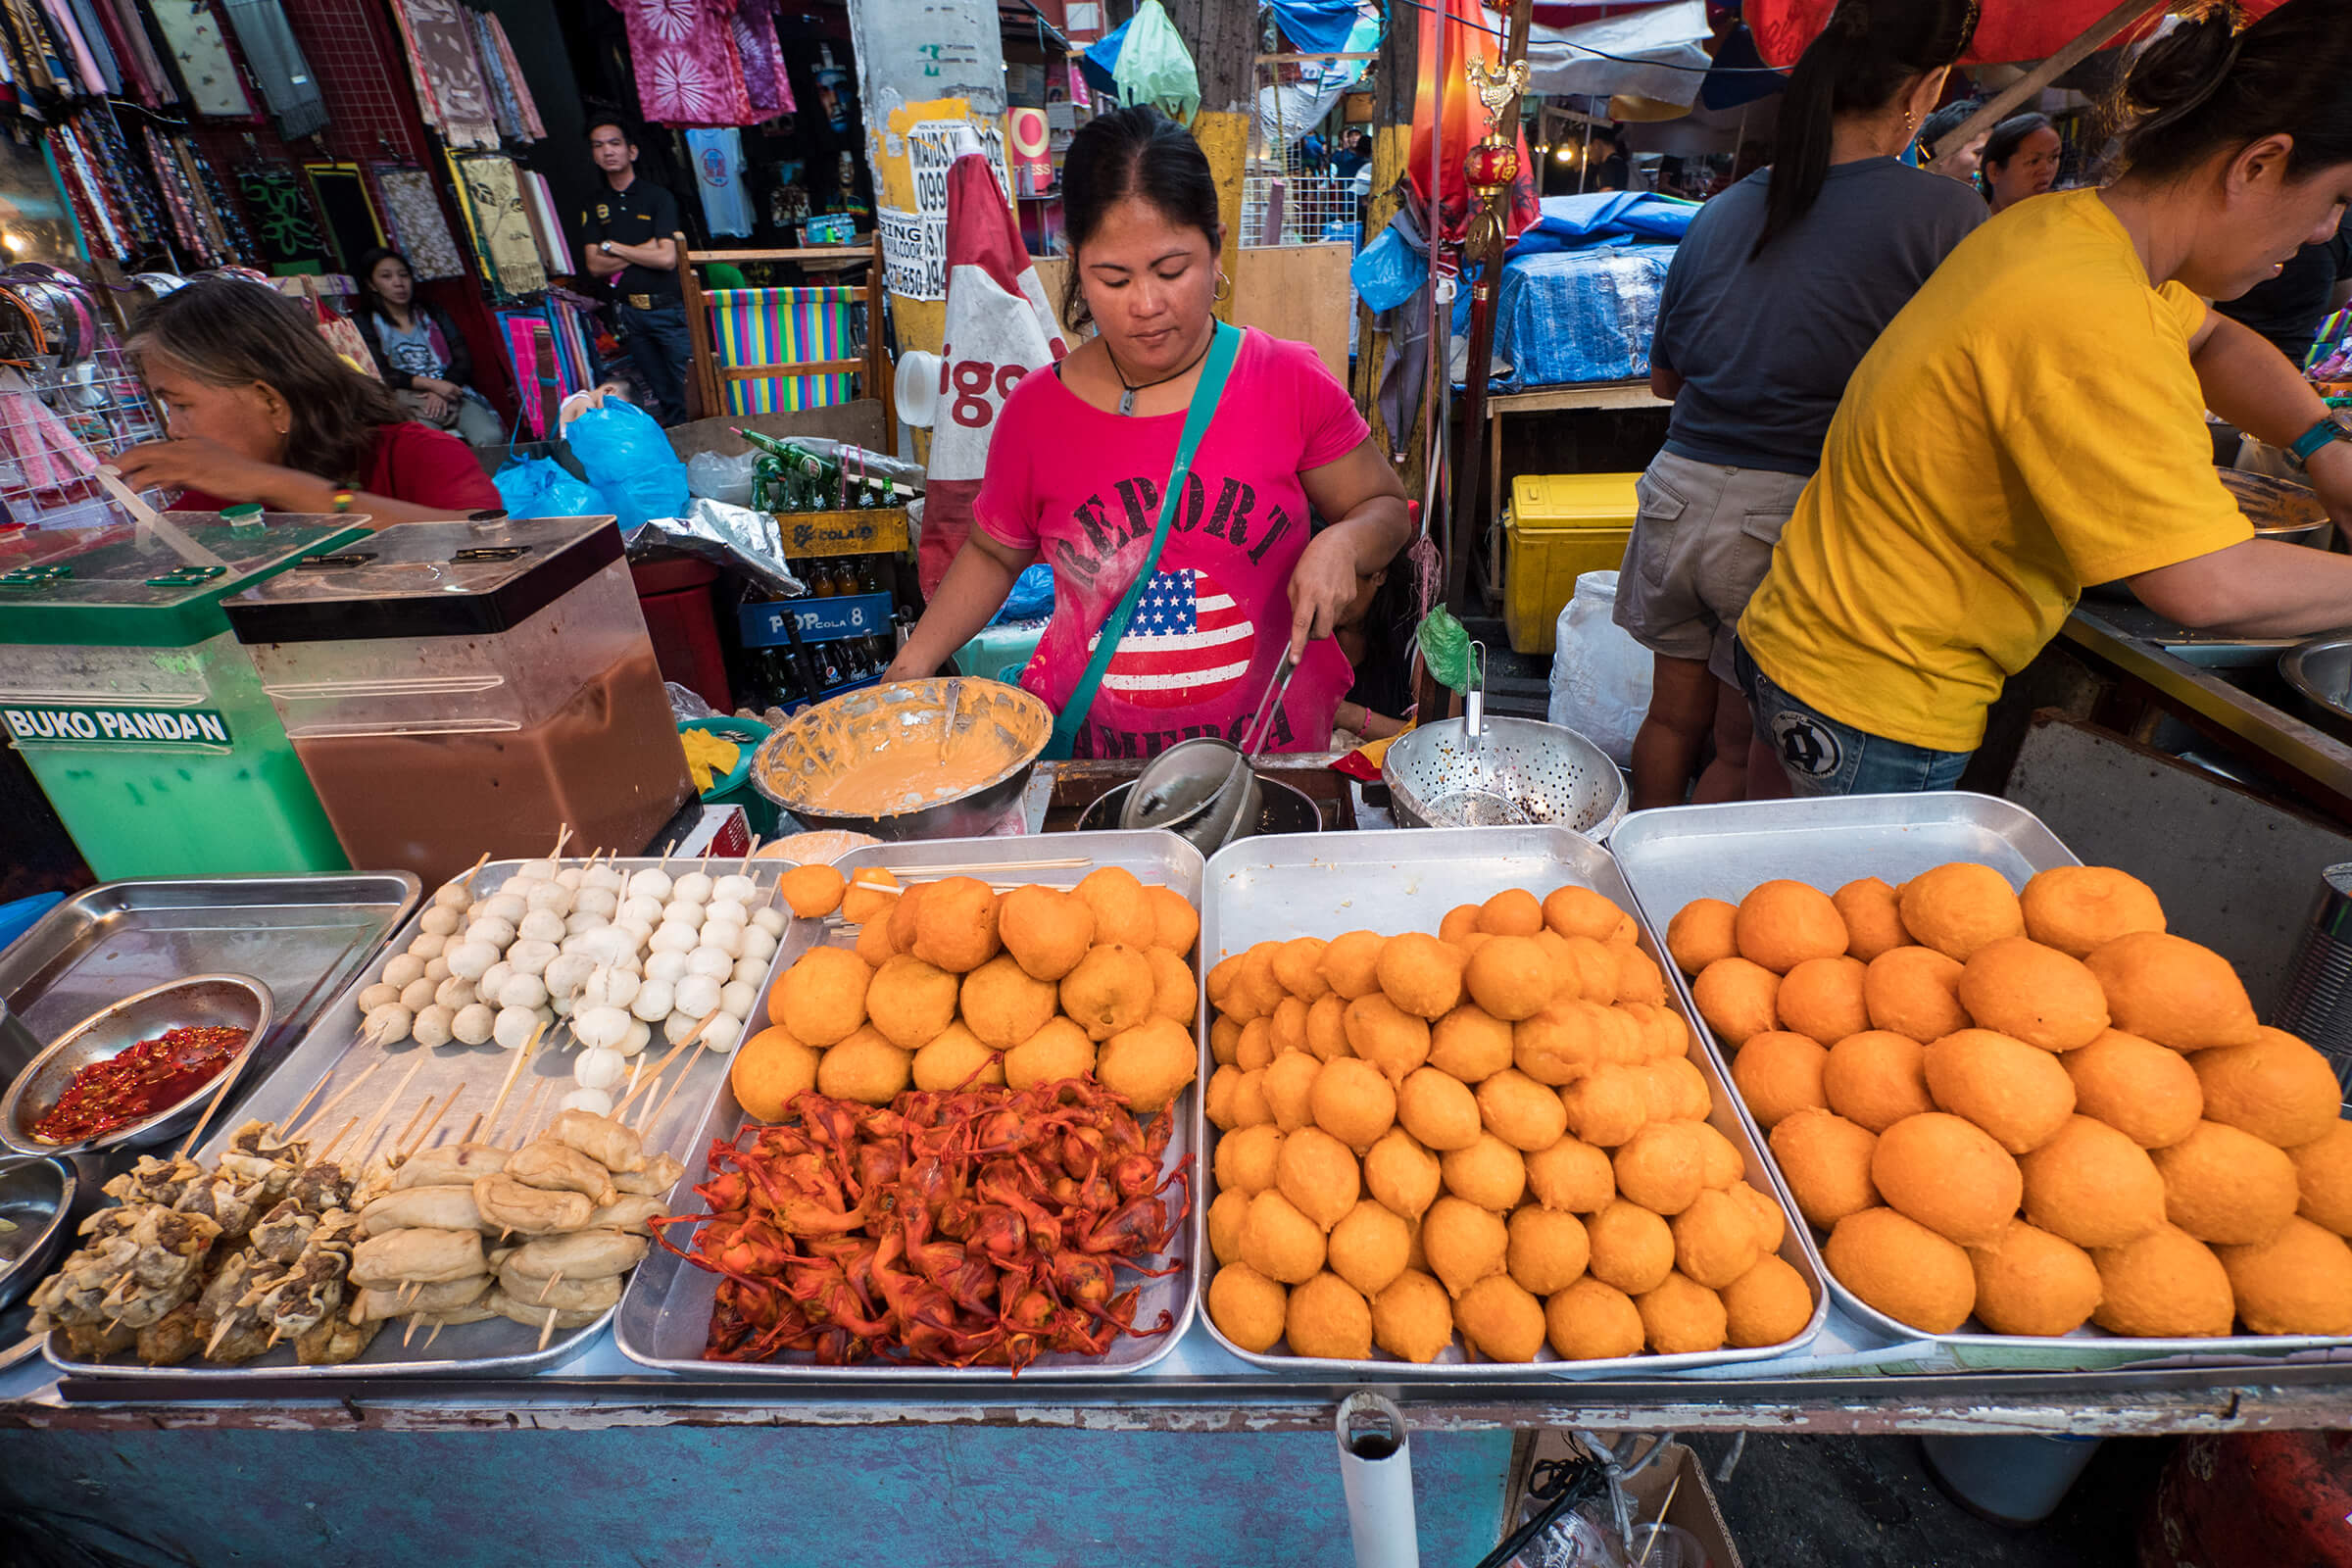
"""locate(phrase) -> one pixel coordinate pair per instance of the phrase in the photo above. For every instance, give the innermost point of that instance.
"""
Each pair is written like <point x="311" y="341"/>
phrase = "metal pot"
<point x="2277" y="509"/>
<point x="936" y="718"/>
<point x="2321" y="674"/>
<point x="1282" y="809"/>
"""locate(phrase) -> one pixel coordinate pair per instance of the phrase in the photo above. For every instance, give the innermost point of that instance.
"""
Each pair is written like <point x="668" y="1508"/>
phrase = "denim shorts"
<point x="1823" y="757"/>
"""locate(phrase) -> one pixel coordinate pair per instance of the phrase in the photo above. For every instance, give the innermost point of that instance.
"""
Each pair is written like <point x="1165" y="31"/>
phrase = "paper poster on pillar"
<point x="922" y="144"/>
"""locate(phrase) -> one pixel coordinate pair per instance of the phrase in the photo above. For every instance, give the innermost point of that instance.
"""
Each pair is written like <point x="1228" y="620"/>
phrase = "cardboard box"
<point x="1676" y="1470"/>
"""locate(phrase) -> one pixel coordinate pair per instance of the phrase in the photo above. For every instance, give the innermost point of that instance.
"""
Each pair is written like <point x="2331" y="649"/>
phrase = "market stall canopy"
<point x="2009" y="30"/>
<point x="1656" y="52"/>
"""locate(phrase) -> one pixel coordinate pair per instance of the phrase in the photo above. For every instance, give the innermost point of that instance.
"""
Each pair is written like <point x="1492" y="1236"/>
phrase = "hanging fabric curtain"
<point x="446" y="71"/>
<point x="493" y="190"/>
<point x="142" y="67"/>
<point x="412" y="208"/>
<point x="539" y="197"/>
<point x="92" y="67"/>
<point x="2007" y="31"/>
<point x="506" y="77"/>
<point x="286" y="232"/>
<point x="296" y="106"/>
<point x="193" y="35"/>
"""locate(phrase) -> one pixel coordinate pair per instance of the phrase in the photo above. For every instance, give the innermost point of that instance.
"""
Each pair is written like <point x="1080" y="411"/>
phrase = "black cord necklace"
<point x="1128" y="389"/>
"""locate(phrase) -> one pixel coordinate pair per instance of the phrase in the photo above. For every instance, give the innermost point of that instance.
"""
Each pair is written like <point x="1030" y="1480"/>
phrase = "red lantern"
<point x="1492" y="164"/>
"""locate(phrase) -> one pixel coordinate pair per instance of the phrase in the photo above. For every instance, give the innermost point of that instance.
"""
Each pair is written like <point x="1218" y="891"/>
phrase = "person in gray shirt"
<point x="1779" y="288"/>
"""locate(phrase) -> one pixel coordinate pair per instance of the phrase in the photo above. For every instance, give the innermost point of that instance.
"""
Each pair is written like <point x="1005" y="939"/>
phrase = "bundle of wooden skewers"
<point x="277" y="1239"/>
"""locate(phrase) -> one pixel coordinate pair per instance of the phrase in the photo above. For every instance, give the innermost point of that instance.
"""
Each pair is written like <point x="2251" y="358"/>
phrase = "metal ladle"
<point x="1188" y="788"/>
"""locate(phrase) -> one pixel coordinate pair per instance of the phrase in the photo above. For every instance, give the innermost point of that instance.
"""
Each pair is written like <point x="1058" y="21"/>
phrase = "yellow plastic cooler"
<point x="1559" y="527"/>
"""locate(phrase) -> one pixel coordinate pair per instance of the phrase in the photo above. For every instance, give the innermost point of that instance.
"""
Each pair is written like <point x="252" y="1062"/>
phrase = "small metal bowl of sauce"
<point x="136" y="1083"/>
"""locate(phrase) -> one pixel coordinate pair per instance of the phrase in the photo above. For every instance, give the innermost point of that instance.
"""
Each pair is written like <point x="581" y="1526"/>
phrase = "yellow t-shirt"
<point x="2029" y="423"/>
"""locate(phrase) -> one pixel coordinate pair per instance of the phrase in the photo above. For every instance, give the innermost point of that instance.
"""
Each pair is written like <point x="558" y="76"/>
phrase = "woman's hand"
<point x="433" y="386"/>
<point x="1322" y="585"/>
<point x="435" y="407"/>
<point x="197" y="464"/>
<point x="2330" y="472"/>
<point x="903" y="668"/>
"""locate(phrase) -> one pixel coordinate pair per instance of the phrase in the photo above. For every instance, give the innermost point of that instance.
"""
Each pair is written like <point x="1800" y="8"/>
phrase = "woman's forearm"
<point x="969" y="597"/>
<point x="2247" y="381"/>
<point x="1376" y="529"/>
<point x="293" y="490"/>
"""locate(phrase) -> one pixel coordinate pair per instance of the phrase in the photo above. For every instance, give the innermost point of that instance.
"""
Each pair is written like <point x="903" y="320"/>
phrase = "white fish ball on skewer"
<point x="473" y="1025"/>
<point x="513" y="1028"/>
<point x="570" y="877"/>
<point x="388" y="1024"/>
<point x="595" y="1101"/>
<point x="523" y="991"/>
<point x="494" y="929"/>
<point x="605" y="876"/>
<point x="440" y="921"/>
<point x="561" y="1006"/>
<point x="566" y="973"/>
<point x="473" y="911"/>
<point x="726" y="937"/>
<point x="472" y="958"/>
<point x="450" y="896"/>
<point x="677" y="1026"/>
<point x="603" y="903"/>
<point x="531" y="957"/>
<point x="716" y="964"/>
<point x="492" y="978"/>
<point x="598" y="1068"/>
<point x="640" y="1035"/>
<point x="601" y="1028"/>
<point x="733" y="910"/>
<point x="608" y="943"/>
<point x="688" y="912"/>
<point x="676" y="938"/>
<point x="722" y="1034"/>
<point x="541" y="925"/>
<point x="436" y="969"/>
<point x="402" y="968"/>
<point x="697" y="994"/>
<point x="579" y="922"/>
<point x="418" y="993"/>
<point x="428" y="947"/>
<point x="537" y="870"/>
<point x="553" y="896"/>
<point x="431" y="1027"/>
<point x="650" y="883"/>
<point x="759" y="943"/>
<point x="770" y="921"/>
<point x="739" y="997"/>
<point x="518" y="886"/>
<point x="749" y="971"/>
<point x="668" y="964"/>
<point x="377" y="994"/>
<point x="610" y="988"/>
<point x="638" y="932"/>
<point x="653" y="1001"/>
<point x="508" y="907"/>
<point x="454" y="992"/>
<point x="695" y="885"/>
<point x="737" y="887"/>
<point x="640" y="909"/>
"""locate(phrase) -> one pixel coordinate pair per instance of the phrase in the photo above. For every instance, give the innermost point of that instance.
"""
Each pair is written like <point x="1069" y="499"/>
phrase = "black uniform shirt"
<point x="638" y="215"/>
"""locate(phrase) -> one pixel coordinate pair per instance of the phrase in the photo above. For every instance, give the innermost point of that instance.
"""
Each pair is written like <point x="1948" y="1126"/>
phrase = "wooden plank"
<point x="1298" y="292"/>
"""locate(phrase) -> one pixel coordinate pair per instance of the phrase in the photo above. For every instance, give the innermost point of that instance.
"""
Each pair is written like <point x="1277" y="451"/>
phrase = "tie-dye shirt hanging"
<point x="687" y="71"/>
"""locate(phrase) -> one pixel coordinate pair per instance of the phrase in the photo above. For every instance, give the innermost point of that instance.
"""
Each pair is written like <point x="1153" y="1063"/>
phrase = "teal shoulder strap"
<point x="1222" y="347"/>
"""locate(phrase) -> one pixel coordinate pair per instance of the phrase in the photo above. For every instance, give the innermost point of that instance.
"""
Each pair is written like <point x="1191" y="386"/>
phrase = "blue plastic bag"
<point x="1388" y="272"/>
<point x="629" y="460"/>
<point x="1031" y="599"/>
<point x="542" y="487"/>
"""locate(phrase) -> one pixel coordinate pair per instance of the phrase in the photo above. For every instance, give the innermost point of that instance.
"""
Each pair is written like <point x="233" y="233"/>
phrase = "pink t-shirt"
<point x="1082" y="487"/>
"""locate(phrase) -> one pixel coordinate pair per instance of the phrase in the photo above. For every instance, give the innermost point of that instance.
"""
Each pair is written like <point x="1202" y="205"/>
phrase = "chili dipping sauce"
<point x="134" y="1084"/>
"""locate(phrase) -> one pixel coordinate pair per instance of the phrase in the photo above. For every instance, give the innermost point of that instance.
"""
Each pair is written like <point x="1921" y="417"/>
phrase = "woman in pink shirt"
<point x="1081" y="453"/>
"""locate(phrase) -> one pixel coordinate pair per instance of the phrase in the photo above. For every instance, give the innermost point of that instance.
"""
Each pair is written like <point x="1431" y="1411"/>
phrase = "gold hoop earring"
<point x="1224" y="288"/>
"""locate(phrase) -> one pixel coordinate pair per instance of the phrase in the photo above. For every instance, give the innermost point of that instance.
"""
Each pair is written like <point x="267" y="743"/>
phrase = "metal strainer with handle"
<point x="1476" y="772"/>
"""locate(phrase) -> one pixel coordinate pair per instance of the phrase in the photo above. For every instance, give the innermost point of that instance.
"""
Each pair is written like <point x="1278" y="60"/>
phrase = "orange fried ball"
<point x="2298" y="1281"/>
<point x="1779" y="1075"/>
<point x="1148" y="1064"/>
<point x="2019" y="1095"/>
<point x="1521" y="1112"/>
<point x="1003" y="1004"/>
<point x="1826" y="1160"/>
<point x="1328" y="1321"/>
<point x="2034" y="993"/>
<point x="1245" y="1159"/>
<point x="1571" y="1176"/>
<point x="1289" y="1088"/>
<point x="2146" y="1093"/>
<point x="2079" y="908"/>
<point x="1225" y="1217"/>
<point x="1630" y="1248"/>
<point x="1175" y="994"/>
<point x="1351" y="963"/>
<point x="864" y="1067"/>
<point x="1248" y="1103"/>
<point x="1327" y="1027"/>
<point x="1606" y="1108"/>
<point x="812" y="892"/>
<point x="1821" y="999"/>
<point x="1046" y="930"/>
<point x="1764" y="1213"/>
<point x="859" y="907"/>
<point x="2032" y="1282"/>
<point x="1738" y="998"/>
<point x="1874" y="1079"/>
<point x="1914" y="991"/>
<point x="1061" y="1050"/>
<point x="955" y="924"/>
<point x="954" y="1057"/>
<point x="2277" y="1088"/>
<point x="1959" y="908"/>
<point x="1460" y="925"/>
<point x="1111" y="990"/>
<point x="1297" y="966"/>
<point x="1592" y="1321"/>
<point x="1672" y="1091"/>
<point x="1513" y="913"/>
<point x="1438" y="1110"/>
<point x="770" y="1069"/>
<point x="1402" y="1176"/>
<point x="2092" y="1186"/>
<point x="1723" y="1163"/>
<point x="1948" y="1174"/>
<point x="874" y="946"/>
<point x="1593" y="963"/>
<point x="1574" y="912"/>
<point x="1564" y="1042"/>
<point x="1470" y="1043"/>
<point x="1489" y="1173"/>
<point x="1369" y="1245"/>
<point x="1500" y="1320"/>
<point x="1278" y="1242"/>
<point x="821" y="998"/>
<point x="1714" y="1239"/>
<point x="1318" y="1174"/>
<point x="2174" y="991"/>
<point x="1509" y="977"/>
<point x="1412" y="1317"/>
<point x="1464" y="1243"/>
<point x="2323" y="1176"/>
<point x="1352" y="1101"/>
<point x="1246" y="1308"/>
<point x="1783" y="923"/>
<point x="1638" y="977"/>
<point x="1903" y="1269"/>
<point x="1874" y="918"/>
<point x="1769" y="1305"/>
<point x="1421" y="975"/>
<point x="901" y="913"/>
<point x="1662" y="1167"/>
<point x="1700" y="933"/>
<point x="1381" y="1033"/>
<point x="910" y="1001"/>
<point x="1175" y="924"/>
<point x="2222" y="1185"/>
<point x="1549" y="1250"/>
<point x="2167" y="1285"/>
<point x="1681" y="1317"/>
<point x="1122" y="913"/>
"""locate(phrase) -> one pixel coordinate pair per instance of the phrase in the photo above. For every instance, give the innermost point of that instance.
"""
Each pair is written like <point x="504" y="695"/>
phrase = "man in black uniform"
<point x="628" y="232"/>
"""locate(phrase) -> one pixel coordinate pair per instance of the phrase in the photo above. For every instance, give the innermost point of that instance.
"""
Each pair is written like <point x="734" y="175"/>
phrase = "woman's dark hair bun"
<point x="2215" y="82"/>
<point x="2189" y="65"/>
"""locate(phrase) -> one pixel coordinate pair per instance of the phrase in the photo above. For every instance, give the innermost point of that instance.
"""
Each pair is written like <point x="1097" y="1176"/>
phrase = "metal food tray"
<point x="1325" y="884"/>
<point x="1673" y="855"/>
<point x="303" y="935"/>
<point x="333" y="1053"/>
<point x="664" y="1314"/>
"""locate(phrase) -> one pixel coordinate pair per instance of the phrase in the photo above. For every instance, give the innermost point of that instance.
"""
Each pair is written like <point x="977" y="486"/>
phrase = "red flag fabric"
<point x="2009" y="32"/>
<point x="1471" y="32"/>
<point x="1000" y="327"/>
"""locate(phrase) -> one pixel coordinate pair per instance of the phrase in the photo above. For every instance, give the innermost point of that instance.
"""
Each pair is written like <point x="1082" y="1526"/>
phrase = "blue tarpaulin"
<point x="1316" y="26"/>
<point x="1604" y="218"/>
<point x="1564" y="316"/>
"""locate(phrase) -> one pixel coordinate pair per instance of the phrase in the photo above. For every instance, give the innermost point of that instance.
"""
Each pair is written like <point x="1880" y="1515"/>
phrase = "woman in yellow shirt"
<point x="2032" y="421"/>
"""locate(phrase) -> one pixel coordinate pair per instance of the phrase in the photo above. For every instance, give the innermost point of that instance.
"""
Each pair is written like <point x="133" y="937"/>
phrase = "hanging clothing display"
<point x="493" y="190"/>
<point x="142" y="68"/>
<point x="238" y="236"/>
<point x="761" y="52"/>
<point x="43" y="72"/>
<point x="286" y="229"/>
<point x="718" y="171"/>
<point x="412" y="208"/>
<point x="509" y="95"/>
<point x="201" y="57"/>
<point x="539" y="198"/>
<point x="447" y="72"/>
<point x="102" y="138"/>
<point x="296" y="106"/>
<point x="687" y="70"/>
<point x="92" y="63"/>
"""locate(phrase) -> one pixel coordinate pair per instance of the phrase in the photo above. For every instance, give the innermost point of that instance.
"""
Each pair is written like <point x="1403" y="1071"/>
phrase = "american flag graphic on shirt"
<point x="1190" y="642"/>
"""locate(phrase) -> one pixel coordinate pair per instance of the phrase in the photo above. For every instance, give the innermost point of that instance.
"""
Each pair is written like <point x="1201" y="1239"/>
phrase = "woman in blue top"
<point x="419" y="352"/>
<point x="1781" y="286"/>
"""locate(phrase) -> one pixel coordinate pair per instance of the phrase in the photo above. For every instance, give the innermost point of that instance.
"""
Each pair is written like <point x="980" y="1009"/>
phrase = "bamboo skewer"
<point x="410" y="1126"/>
<point x="229" y="1076"/>
<point x="369" y="1133"/>
<point x="562" y="838"/>
<point x="341" y="1096"/>
<point x="559" y="1274"/>
<point x="219" y="1333"/>
<point x="662" y="1066"/>
<point x="1661" y="1519"/>
<point x="466" y="881"/>
<point x="675" y="1084"/>
<point x="520" y="1057"/>
<point x="521" y="1133"/>
<point x="408" y="1147"/>
<point x="438" y="1326"/>
<point x="472" y="1127"/>
<point x="547" y="1330"/>
<point x="645" y="1117"/>
<point x="415" y="1318"/>
<point x="300" y="1105"/>
<point x="341" y="1133"/>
